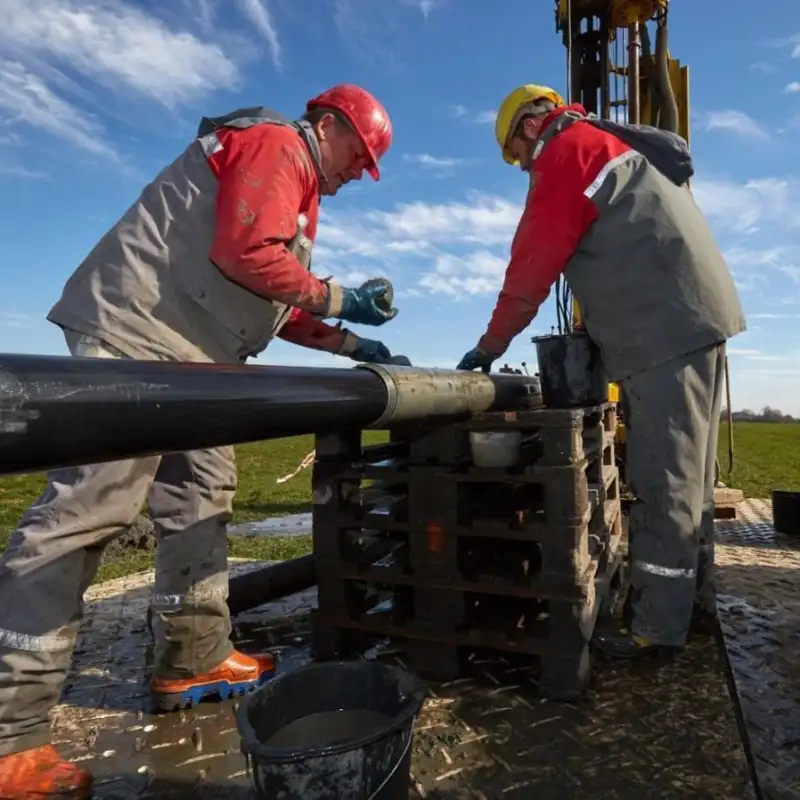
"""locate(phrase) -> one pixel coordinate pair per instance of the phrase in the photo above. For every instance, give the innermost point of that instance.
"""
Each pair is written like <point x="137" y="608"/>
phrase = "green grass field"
<point x="767" y="457"/>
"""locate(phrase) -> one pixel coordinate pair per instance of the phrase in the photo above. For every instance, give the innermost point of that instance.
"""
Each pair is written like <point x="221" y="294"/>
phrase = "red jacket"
<point x="557" y="214"/>
<point x="263" y="186"/>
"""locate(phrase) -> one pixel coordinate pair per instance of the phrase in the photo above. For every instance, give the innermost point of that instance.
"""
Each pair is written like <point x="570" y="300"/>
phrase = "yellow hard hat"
<point x="508" y="113"/>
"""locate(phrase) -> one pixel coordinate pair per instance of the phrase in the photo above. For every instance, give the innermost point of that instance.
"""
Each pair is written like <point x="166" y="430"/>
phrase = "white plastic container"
<point x="495" y="449"/>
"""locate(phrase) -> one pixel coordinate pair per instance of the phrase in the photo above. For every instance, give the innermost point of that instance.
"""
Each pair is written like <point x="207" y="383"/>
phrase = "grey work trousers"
<point x="672" y="420"/>
<point x="55" y="552"/>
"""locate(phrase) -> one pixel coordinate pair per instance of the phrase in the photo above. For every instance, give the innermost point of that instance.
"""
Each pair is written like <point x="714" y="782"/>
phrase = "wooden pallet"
<point x="415" y="525"/>
<point x="442" y="622"/>
<point x="727" y="502"/>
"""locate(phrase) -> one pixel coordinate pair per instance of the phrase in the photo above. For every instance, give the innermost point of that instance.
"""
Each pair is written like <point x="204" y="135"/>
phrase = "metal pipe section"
<point x="265" y="584"/>
<point x="62" y="411"/>
<point x="415" y="393"/>
<point x="634" y="62"/>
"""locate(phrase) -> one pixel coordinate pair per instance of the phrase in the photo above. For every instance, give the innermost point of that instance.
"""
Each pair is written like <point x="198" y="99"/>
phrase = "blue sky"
<point x="96" y="95"/>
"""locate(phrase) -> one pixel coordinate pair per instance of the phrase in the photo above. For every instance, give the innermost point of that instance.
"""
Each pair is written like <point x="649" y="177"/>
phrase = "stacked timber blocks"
<point x="415" y="543"/>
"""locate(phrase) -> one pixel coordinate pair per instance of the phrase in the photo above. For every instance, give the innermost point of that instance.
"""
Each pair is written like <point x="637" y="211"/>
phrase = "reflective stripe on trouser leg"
<point x="669" y="425"/>
<point x="191" y="503"/>
<point x="47" y="565"/>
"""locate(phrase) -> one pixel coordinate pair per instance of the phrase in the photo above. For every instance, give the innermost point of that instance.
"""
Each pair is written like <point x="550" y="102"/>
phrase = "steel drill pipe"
<point x="62" y="411"/>
<point x="265" y="584"/>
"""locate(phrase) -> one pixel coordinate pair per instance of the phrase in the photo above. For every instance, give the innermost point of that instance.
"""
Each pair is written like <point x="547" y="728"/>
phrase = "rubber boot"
<point x="42" y="773"/>
<point x="235" y="676"/>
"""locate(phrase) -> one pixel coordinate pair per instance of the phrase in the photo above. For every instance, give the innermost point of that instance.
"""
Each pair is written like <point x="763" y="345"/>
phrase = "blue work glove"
<point x="369" y="304"/>
<point x="372" y="352"/>
<point x="476" y="358"/>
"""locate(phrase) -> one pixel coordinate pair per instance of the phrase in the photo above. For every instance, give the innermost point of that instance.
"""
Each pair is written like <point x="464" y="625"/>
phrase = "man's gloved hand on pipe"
<point x="400" y="361"/>
<point x="371" y="352"/>
<point x="369" y="304"/>
<point x="477" y="358"/>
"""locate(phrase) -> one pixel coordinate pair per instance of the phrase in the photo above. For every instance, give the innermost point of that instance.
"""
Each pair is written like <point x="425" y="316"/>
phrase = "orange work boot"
<point x="41" y="773"/>
<point x="237" y="675"/>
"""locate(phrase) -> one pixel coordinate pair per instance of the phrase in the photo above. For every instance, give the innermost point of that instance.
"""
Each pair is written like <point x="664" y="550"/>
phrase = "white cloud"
<point x="461" y="247"/>
<point x="16" y="171"/>
<point x="736" y="122"/>
<point x="258" y="13"/>
<point x="763" y="67"/>
<point x="14" y="319"/>
<point x="432" y="162"/>
<point x="425" y="6"/>
<point x="61" y="58"/>
<point x="479" y="272"/>
<point x="742" y="351"/>
<point x="793" y="43"/>
<point x="783" y="259"/>
<point x="793" y="87"/>
<point x="745" y="208"/>
<point x="480" y="219"/>
<point x="374" y="29"/>
<point x="451" y="249"/>
<point x="26" y="97"/>
<point x="206" y="11"/>
<point x="458" y="111"/>
<point x="116" y="44"/>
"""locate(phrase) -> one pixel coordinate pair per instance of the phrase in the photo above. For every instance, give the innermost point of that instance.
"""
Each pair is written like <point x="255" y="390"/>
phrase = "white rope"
<point x="304" y="464"/>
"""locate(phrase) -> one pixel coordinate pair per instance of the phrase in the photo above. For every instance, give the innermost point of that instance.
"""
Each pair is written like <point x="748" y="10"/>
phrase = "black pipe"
<point x="62" y="411"/>
<point x="265" y="584"/>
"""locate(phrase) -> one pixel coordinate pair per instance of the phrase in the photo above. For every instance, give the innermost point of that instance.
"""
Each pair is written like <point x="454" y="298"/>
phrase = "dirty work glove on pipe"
<point x="372" y="352"/>
<point x="369" y="304"/>
<point x="476" y="358"/>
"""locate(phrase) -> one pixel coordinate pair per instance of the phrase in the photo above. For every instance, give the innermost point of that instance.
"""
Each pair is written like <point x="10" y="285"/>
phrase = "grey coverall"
<point x="148" y="291"/>
<point x="659" y="300"/>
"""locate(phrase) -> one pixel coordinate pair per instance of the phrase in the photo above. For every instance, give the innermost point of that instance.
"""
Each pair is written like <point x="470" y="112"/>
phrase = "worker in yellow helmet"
<point x="609" y="208"/>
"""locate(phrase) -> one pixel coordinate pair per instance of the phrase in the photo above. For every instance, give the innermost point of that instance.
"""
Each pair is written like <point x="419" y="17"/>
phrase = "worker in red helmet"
<point x="209" y="264"/>
<point x="610" y="209"/>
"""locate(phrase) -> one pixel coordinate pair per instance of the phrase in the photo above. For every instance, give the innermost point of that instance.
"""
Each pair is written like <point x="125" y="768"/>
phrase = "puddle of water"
<point x="289" y="525"/>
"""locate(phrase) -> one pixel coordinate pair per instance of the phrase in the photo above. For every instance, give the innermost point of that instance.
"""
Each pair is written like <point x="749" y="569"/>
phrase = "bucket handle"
<point x="397" y="763"/>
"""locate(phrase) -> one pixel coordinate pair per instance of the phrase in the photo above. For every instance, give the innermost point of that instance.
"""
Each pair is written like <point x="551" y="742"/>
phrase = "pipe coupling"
<point x="415" y="393"/>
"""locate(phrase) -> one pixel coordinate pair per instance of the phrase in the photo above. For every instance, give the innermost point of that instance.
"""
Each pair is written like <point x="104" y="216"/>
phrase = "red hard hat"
<point x="367" y="116"/>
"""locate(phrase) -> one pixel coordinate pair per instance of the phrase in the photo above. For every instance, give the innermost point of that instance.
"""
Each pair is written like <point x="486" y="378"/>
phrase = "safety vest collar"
<point x="258" y="115"/>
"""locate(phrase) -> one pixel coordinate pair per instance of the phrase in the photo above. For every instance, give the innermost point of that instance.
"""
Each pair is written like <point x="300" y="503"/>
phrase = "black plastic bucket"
<point x="371" y="760"/>
<point x="571" y="371"/>
<point x="786" y="512"/>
